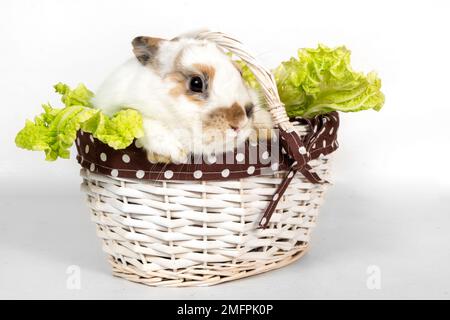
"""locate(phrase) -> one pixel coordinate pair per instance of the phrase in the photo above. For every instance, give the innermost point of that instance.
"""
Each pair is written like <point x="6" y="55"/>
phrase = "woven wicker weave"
<point x="201" y="233"/>
<point x="185" y="233"/>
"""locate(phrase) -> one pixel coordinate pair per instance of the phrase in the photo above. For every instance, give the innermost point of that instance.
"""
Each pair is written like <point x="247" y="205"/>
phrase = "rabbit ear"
<point x="146" y="48"/>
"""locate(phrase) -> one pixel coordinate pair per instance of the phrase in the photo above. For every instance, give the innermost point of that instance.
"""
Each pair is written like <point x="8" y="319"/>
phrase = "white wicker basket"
<point x="195" y="232"/>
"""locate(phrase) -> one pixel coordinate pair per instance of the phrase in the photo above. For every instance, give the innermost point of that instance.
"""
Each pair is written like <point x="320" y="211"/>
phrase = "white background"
<point x="390" y="204"/>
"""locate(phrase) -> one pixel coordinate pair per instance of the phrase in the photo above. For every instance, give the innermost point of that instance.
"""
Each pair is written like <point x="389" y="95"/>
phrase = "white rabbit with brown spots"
<point x="191" y="95"/>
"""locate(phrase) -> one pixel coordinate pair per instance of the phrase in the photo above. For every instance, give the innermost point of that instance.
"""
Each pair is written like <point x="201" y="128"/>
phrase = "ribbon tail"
<point x="311" y="176"/>
<point x="264" y="222"/>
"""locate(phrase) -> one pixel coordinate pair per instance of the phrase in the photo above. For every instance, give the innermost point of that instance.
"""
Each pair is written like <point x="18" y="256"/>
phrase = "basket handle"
<point x="290" y="140"/>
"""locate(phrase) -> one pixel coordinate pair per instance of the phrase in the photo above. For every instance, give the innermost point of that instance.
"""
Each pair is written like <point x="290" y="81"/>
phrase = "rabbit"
<point x="191" y="95"/>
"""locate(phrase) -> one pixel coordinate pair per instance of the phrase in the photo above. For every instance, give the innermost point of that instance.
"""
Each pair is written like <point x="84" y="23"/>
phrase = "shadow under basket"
<point x="212" y="220"/>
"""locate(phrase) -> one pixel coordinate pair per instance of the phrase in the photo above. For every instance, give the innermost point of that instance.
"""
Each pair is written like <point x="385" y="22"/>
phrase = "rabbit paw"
<point x="157" y="158"/>
<point x="180" y="156"/>
<point x="177" y="155"/>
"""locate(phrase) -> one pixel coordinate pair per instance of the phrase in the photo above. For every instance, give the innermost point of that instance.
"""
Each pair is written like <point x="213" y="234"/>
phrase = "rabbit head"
<point x="207" y="93"/>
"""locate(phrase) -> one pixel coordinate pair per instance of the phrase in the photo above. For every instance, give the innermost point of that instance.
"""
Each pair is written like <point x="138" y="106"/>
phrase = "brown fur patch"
<point x="179" y="80"/>
<point x="146" y="48"/>
<point x="180" y="88"/>
<point x="207" y="70"/>
<point x="196" y="99"/>
<point x="179" y="77"/>
<point x="235" y="115"/>
<point x="223" y="118"/>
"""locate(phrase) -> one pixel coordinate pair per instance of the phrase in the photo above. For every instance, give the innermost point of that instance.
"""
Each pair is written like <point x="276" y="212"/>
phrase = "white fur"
<point x="173" y="125"/>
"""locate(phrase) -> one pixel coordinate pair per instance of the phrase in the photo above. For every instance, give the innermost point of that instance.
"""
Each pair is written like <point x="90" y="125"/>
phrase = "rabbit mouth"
<point x="226" y="128"/>
<point x="219" y="141"/>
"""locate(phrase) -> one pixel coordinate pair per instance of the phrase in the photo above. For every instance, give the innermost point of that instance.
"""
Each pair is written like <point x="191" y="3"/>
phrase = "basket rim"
<point x="249" y="159"/>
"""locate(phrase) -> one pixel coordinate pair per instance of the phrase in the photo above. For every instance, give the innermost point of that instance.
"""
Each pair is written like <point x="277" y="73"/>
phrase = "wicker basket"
<point x="177" y="225"/>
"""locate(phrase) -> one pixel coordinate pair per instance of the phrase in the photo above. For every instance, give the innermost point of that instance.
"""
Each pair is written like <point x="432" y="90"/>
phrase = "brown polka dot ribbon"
<point x="321" y="140"/>
<point x="251" y="159"/>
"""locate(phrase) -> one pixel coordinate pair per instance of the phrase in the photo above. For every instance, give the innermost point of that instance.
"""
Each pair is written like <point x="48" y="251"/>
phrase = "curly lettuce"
<point x="80" y="96"/>
<point x="54" y="130"/>
<point x="322" y="80"/>
<point x="119" y="131"/>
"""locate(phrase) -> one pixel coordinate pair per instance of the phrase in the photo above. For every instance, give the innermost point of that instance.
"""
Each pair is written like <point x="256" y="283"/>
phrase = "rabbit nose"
<point x="234" y="128"/>
<point x="249" y="109"/>
<point x="237" y="126"/>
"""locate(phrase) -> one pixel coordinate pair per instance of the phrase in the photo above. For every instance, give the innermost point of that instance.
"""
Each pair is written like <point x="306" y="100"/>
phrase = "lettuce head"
<point x="322" y="80"/>
<point x="54" y="130"/>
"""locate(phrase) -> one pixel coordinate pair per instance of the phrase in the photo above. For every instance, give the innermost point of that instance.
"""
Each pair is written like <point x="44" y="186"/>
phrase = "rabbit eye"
<point x="196" y="84"/>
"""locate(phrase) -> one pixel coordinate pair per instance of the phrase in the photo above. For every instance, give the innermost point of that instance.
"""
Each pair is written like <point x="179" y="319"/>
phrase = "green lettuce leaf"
<point x="321" y="80"/>
<point x="119" y="131"/>
<point x="80" y="96"/>
<point x="54" y="130"/>
<point x="247" y="74"/>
